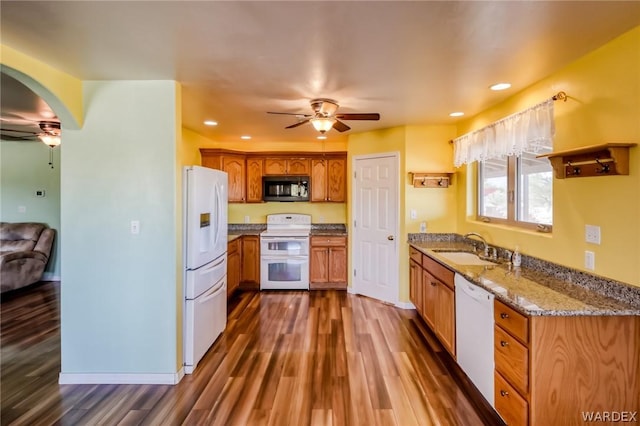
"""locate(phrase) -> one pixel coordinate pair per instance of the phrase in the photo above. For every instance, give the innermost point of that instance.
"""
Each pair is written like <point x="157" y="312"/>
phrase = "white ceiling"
<point x="413" y="62"/>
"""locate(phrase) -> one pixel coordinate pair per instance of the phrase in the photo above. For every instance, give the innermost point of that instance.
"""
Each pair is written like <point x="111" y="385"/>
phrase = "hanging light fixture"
<point x="323" y="124"/>
<point x="50" y="136"/>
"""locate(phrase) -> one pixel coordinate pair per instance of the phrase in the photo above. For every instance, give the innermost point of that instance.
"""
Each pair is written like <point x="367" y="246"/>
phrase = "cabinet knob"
<point x="503" y="343"/>
<point x="390" y="238"/>
<point x="433" y="283"/>
<point x="504" y="393"/>
<point x="504" y="315"/>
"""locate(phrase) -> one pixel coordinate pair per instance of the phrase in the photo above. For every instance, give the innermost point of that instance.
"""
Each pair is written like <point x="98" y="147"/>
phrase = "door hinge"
<point x="355" y="175"/>
<point x="354" y="272"/>
<point x="354" y="223"/>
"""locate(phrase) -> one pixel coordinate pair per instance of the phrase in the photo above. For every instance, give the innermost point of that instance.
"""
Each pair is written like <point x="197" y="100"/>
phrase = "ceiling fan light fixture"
<point x="323" y="124"/>
<point x="50" y="140"/>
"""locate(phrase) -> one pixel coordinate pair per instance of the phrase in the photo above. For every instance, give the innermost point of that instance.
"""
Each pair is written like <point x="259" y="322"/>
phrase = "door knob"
<point x="390" y="238"/>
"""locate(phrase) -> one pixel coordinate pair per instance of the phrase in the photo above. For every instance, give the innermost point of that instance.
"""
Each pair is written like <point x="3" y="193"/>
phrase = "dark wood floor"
<point x="286" y="358"/>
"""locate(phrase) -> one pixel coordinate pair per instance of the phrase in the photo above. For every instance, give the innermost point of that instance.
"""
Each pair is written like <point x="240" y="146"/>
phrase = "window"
<point x="516" y="190"/>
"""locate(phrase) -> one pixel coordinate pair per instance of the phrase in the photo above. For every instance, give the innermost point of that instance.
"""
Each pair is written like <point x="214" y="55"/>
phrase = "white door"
<point x="375" y="212"/>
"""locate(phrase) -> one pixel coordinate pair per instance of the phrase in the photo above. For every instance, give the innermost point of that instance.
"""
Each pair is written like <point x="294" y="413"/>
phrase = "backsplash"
<point x="607" y="287"/>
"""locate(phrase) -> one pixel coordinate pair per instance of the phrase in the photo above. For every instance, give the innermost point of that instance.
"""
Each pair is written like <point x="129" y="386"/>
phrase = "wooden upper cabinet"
<point x="255" y="169"/>
<point x="328" y="180"/>
<point x="337" y="180"/>
<point x="286" y="166"/>
<point x="234" y="165"/>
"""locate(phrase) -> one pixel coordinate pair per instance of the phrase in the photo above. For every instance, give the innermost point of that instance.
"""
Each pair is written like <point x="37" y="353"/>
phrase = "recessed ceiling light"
<point x="322" y="137"/>
<point x="245" y="137"/>
<point x="456" y="114"/>
<point x="500" y="86"/>
<point x="210" y="123"/>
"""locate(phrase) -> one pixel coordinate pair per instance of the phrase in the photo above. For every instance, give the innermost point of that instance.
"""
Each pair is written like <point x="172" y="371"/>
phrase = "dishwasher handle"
<point x="473" y="291"/>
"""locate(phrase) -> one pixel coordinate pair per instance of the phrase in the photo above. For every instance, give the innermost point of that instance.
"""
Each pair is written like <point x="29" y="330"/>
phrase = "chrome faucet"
<point x="486" y="246"/>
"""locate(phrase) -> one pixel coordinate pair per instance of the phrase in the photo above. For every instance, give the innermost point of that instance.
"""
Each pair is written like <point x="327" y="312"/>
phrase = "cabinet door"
<point x="415" y="281"/>
<point x="429" y="298"/>
<point x="446" y="317"/>
<point x="319" y="265"/>
<point x="275" y="166"/>
<point x="254" y="179"/>
<point x="213" y="161"/>
<point x="233" y="272"/>
<point x="250" y="272"/>
<point x="235" y="168"/>
<point x="298" y="166"/>
<point x="336" y="180"/>
<point x="318" y="180"/>
<point x="338" y="265"/>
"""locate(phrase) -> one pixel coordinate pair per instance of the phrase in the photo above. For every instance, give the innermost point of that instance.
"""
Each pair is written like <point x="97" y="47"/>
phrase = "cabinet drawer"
<point x="512" y="407"/>
<point x="512" y="321"/>
<point x="326" y="240"/>
<point x="415" y="254"/>
<point x="512" y="359"/>
<point x="437" y="270"/>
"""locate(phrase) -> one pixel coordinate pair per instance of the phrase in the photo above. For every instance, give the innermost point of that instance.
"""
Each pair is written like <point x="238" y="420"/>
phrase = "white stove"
<point x="284" y="252"/>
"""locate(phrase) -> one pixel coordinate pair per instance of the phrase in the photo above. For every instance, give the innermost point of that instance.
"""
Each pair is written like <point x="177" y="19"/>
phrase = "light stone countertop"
<point x="527" y="290"/>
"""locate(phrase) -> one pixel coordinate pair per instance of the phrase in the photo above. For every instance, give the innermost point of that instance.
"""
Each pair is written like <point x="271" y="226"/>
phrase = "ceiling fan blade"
<point x="359" y="116"/>
<point x="18" y="138"/>
<point x="340" y="126"/>
<point x="290" y="113"/>
<point x="299" y="123"/>
<point x="17" y="131"/>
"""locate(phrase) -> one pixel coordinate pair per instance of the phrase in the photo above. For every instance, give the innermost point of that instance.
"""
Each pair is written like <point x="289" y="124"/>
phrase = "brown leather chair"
<point x="24" y="252"/>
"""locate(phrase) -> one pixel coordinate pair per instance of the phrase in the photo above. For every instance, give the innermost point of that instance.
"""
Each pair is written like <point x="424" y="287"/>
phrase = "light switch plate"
<point x="414" y="214"/>
<point x="135" y="227"/>
<point x="589" y="260"/>
<point x="592" y="234"/>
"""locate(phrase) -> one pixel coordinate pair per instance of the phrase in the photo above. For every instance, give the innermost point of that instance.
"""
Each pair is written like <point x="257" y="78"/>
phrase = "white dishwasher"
<point x="474" y="335"/>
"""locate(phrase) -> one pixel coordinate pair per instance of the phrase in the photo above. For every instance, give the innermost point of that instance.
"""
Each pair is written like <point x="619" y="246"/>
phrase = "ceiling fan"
<point x="49" y="132"/>
<point x="325" y="118"/>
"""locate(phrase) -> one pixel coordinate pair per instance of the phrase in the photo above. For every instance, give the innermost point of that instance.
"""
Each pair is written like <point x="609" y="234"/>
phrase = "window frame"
<point x="513" y="174"/>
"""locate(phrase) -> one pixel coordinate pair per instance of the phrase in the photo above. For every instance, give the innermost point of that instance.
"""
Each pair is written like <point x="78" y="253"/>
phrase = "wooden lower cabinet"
<point x="551" y="369"/>
<point x="431" y="292"/>
<point x="250" y="273"/>
<point x="328" y="262"/>
<point x="415" y="285"/>
<point x="233" y="266"/>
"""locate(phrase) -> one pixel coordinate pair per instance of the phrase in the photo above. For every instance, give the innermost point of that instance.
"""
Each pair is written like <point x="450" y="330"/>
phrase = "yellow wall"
<point x="603" y="106"/>
<point x="428" y="150"/>
<point x="61" y="91"/>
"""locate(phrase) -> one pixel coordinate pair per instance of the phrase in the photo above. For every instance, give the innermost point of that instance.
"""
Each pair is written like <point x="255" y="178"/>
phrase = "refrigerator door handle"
<point x="214" y="292"/>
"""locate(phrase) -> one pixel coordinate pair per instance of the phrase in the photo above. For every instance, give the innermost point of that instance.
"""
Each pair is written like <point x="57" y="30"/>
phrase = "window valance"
<point x="525" y="131"/>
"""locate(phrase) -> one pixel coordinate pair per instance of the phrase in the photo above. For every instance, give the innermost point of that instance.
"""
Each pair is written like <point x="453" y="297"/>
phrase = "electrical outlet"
<point x="247" y="219"/>
<point x="423" y="227"/>
<point x="135" y="227"/>
<point x="589" y="260"/>
<point x="414" y="214"/>
<point x="22" y="209"/>
<point x="592" y="234"/>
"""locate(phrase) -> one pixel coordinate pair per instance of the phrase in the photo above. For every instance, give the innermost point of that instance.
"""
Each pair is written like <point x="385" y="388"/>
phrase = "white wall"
<point x="119" y="311"/>
<point x="24" y="168"/>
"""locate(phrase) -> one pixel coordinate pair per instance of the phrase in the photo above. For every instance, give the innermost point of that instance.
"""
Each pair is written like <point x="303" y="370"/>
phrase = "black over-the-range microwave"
<point x="285" y="188"/>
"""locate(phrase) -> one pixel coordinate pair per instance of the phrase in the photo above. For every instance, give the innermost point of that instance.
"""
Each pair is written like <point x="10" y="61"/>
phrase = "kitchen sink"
<point x="463" y="258"/>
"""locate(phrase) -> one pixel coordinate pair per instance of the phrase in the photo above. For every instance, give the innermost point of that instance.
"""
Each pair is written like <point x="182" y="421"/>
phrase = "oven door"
<point x="284" y="246"/>
<point x="284" y="273"/>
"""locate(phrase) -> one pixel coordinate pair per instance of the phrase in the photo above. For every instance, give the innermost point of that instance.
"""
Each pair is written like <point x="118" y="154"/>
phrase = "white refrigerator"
<point x="205" y="260"/>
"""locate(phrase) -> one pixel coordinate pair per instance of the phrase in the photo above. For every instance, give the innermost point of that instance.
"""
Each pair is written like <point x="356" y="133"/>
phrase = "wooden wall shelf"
<point x="595" y="160"/>
<point x="431" y="179"/>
